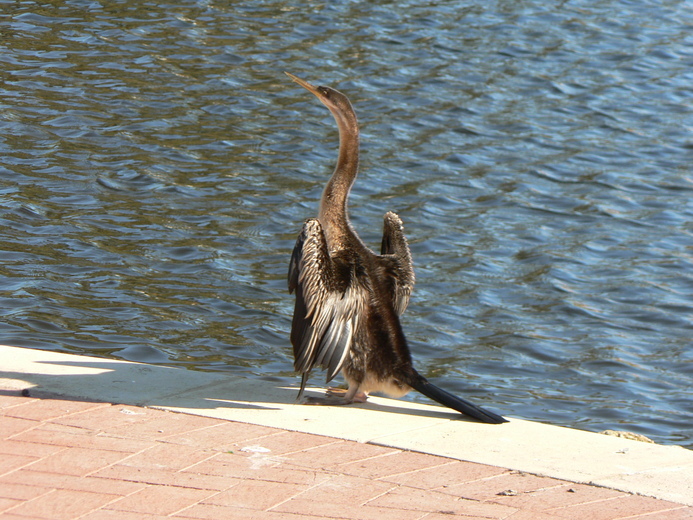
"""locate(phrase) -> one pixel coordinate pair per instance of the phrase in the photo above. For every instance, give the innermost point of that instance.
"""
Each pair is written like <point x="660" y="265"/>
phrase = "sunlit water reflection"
<point x="157" y="165"/>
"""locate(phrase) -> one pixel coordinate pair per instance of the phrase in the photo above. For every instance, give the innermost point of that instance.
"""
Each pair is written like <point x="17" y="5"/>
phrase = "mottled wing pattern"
<point x="395" y="248"/>
<point x="325" y="317"/>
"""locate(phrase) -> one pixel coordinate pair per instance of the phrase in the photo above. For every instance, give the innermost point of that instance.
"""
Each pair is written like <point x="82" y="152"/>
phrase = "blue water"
<point x="157" y="166"/>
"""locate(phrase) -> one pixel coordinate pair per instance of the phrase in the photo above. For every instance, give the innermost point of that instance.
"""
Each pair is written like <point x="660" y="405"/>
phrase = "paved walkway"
<point x="73" y="459"/>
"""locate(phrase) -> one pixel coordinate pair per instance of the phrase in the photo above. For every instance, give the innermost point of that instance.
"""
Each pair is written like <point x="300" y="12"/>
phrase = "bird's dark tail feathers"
<point x="421" y="384"/>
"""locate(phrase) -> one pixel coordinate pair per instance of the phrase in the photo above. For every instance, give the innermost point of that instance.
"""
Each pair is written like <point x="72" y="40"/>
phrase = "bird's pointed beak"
<point x="310" y="88"/>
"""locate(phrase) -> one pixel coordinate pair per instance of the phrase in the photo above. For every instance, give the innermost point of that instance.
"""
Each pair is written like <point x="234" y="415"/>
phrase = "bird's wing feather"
<point x="327" y="310"/>
<point x="395" y="248"/>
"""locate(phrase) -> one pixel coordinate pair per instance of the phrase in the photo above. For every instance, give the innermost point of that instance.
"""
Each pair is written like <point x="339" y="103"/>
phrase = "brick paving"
<point x="66" y="459"/>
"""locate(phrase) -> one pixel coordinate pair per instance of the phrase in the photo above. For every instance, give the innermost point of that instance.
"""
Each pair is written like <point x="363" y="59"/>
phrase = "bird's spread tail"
<point x="439" y="395"/>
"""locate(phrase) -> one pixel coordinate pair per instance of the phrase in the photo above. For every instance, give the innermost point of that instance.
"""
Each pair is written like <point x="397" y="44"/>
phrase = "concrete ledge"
<point x="648" y="469"/>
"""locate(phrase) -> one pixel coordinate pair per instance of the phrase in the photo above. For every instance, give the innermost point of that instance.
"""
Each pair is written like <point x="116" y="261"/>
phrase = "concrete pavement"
<point x="407" y="454"/>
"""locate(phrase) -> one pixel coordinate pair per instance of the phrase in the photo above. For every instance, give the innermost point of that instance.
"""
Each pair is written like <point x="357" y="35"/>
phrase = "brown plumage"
<point x="348" y="298"/>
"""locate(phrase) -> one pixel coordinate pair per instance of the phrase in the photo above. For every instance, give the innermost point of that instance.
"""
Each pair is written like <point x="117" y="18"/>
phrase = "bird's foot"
<point x="337" y="396"/>
<point x="359" y="397"/>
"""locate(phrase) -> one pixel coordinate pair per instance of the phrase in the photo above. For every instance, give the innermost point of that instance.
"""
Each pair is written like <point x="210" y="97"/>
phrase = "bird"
<point x="349" y="298"/>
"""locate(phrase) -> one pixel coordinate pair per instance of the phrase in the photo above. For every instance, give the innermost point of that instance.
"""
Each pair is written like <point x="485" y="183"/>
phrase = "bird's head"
<point x="334" y="100"/>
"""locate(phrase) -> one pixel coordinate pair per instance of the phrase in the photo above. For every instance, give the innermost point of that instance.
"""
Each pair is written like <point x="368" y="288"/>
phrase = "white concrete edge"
<point x="663" y="472"/>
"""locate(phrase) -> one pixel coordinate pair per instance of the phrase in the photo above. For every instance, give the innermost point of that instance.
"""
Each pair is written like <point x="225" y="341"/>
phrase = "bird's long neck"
<point x="333" y="205"/>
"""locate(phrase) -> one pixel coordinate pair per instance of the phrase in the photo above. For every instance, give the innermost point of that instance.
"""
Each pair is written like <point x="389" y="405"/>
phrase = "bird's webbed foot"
<point x="338" y="396"/>
<point x="351" y="395"/>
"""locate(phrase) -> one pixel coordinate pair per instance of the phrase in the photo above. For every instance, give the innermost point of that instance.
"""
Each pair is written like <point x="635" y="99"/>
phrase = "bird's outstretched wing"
<point x="328" y="305"/>
<point x="395" y="248"/>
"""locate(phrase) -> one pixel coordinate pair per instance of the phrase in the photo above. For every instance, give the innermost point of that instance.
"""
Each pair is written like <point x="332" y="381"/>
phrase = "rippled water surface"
<point x="157" y="166"/>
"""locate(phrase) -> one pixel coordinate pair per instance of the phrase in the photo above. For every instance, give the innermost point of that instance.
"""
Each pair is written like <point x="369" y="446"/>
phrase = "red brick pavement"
<point x="64" y="459"/>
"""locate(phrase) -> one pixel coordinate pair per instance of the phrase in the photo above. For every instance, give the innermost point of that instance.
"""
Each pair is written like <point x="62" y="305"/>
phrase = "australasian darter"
<point x="348" y="298"/>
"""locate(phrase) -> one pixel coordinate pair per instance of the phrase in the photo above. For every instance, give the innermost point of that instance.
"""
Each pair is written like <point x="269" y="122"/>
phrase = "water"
<point x="157" y="165"/>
